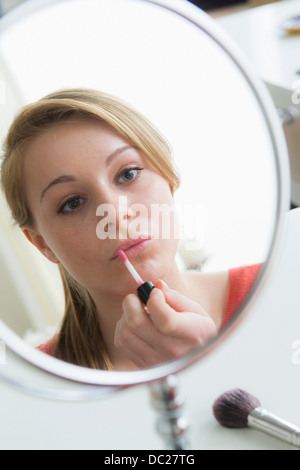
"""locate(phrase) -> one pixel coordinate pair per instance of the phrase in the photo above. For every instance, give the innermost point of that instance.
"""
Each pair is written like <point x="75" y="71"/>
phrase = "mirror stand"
<point x="172" y="422"/>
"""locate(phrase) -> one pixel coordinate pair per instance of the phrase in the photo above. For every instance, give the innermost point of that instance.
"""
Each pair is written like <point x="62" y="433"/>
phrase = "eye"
<point x="72" y="205"/>
<point x="129" y="174"/>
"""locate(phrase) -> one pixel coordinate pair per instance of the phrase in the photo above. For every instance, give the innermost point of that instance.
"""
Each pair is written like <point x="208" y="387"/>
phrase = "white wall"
<point x="6" y="5"/>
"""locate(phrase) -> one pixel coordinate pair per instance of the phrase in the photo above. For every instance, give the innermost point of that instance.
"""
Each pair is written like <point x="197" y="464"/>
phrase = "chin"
<point x="158" y="261"/>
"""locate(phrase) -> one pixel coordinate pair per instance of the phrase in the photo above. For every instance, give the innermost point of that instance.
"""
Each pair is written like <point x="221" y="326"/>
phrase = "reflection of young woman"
<point x="64" y="156"/>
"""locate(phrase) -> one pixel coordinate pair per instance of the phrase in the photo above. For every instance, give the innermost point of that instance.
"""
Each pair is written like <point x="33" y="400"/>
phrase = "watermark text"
<point x="157" y="221"/>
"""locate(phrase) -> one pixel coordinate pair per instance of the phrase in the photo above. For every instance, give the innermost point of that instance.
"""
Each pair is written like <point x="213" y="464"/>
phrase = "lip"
<point x="132" y="247"/>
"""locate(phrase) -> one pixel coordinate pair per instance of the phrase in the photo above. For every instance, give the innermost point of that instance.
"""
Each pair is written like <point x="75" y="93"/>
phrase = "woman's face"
<point x="91" y="193"/>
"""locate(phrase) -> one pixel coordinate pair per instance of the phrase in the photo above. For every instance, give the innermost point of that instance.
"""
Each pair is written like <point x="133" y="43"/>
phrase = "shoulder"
<point x="49" y="346"/>
<point x="222" y="293"/>
<point x="211" y="291"/>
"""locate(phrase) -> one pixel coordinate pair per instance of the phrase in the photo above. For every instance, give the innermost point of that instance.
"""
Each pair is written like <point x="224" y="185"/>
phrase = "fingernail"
<point x="160" y="284"/>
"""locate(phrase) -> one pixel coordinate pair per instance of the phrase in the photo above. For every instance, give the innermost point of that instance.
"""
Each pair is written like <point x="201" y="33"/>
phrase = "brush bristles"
<point x="233" y="407"/>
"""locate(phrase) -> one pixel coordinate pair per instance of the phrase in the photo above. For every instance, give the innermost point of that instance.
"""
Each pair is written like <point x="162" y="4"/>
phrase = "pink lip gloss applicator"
<point x="144" y="288"/>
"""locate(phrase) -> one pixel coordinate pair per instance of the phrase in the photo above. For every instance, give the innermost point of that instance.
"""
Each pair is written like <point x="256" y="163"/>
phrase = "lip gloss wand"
<point x="144" y="288"/>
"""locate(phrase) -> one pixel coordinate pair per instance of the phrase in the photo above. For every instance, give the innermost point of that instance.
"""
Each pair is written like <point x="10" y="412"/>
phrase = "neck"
<point x="109" y="312"/>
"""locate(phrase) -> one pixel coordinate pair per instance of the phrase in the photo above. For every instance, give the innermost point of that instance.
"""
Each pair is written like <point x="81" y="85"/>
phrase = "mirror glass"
<point x="188" y="86"/>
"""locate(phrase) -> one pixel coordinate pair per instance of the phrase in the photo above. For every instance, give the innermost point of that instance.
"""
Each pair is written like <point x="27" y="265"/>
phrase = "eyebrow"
<point x="71" y="178"/>
<point x="117" y="152"/>
<point x="59" y="180"/>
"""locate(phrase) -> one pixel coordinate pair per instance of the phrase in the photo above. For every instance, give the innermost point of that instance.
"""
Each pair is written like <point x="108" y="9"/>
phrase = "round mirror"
<point x="149" y="93"/>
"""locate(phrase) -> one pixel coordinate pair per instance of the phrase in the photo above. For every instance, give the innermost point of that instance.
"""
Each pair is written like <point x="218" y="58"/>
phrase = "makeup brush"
<point x="238" y="409"/>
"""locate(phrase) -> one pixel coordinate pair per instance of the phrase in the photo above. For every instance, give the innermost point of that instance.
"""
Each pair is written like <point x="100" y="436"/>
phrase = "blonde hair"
<point x="79" y="340"/>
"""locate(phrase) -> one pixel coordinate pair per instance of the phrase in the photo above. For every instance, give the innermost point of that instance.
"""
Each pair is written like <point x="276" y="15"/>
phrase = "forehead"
<point x="76" y="130"/>
<point x="72" y="139"/>
<point x="66" y="148"/>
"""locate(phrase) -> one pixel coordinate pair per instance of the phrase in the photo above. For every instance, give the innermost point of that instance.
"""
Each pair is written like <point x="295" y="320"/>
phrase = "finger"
<point x="135" y="325"/>
<point x="179" y="302"/>
<point x="163" y="315"/>
<point x="134" y="312"/>
<point x="135" y="348"/>
<point x="143" y="353"/>
<point x="139" y="323"/>
<point x="182" y="325"/>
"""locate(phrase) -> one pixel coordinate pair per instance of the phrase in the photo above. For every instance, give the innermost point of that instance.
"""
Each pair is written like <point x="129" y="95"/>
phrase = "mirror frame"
<point x="77" y="374"/>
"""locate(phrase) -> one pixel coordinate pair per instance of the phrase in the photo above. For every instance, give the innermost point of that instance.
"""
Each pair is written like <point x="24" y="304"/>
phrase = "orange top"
<point x="48" y="347"/>
<point x="241" y="280"/>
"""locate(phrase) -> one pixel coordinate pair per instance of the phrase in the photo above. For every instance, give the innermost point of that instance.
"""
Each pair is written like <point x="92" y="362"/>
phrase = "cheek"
<point x="75" y="247"/>
<point x="86" y="263"/>
<point x="164" y="220"/>
<point x="160" y="190"/>
<point x="158" y="262"/>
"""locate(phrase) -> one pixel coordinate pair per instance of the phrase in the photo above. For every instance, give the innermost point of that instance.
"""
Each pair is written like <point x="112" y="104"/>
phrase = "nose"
<point x="115" y="216"/>
<point x="123" y="214"/>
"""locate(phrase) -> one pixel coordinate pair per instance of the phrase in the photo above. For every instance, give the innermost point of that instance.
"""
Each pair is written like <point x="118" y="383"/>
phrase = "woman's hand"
<point x="173" y="326"/>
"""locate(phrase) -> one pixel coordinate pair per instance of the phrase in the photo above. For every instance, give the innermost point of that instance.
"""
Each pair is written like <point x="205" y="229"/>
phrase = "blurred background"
<point x="207" y="5"/>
